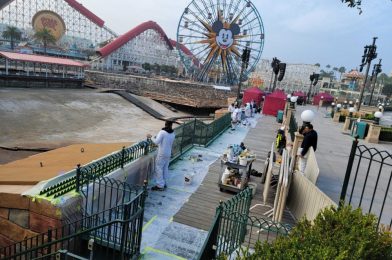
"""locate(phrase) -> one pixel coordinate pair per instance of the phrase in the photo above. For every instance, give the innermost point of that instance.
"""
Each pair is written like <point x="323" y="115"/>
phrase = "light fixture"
<point x="351" y="110"/>
<point x="377" y="116"/>
<point x="307" y="116"/>
<point x="333" y="104"/>
<point x="338" y="107"/>
<point x="350" y="102"/>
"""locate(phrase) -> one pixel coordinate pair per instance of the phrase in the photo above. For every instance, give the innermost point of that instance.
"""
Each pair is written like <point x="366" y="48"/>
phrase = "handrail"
<point x="195" y="132"/>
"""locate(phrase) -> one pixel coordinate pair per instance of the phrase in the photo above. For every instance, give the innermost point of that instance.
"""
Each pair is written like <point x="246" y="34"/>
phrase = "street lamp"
<point x="369" y="54"/>
<point x="376" y="70"/>
<point x="380" y="108"/>
<point x="245" y="62"/>
<point x="313" y="81"/>
<point x="307" y="117"/>
<point x="345" y="104"/>
<point x="293" y="101"/>
<point x="377" y="116"/>
<point x="351" y="110"/>
<point x="338" y="107"/>
<point x="350" y="103"/>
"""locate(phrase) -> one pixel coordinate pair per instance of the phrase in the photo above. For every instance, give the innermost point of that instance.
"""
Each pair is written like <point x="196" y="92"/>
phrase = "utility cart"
<point x="234" y="177"/>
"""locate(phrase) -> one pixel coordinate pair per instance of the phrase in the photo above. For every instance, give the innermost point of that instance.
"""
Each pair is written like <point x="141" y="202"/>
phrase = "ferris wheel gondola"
<point x="216" y="32"/>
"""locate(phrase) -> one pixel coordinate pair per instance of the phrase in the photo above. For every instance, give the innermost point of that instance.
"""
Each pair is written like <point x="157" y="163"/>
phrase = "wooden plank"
<point x="199" y="210"/>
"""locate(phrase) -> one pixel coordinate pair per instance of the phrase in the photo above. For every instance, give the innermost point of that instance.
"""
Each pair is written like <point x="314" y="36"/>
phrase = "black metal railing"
<point x="385" y="134"/>
<point x="115" y="232"/>
<point x="187" y="135"/>
<point x="233" y="228"/>
<point x="293" y="127"/>
<point x="369" y="185"/>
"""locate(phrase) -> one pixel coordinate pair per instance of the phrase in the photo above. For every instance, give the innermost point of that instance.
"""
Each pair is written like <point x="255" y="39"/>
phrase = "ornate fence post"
<point x="78" y="172"/>
<point x="122" y="157"/>
<point x="348" y="171"/>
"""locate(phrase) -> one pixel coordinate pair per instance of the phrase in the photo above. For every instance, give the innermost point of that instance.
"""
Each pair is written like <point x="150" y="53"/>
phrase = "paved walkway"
<point x="177" y="220"/>
<point x="333" y="151"/>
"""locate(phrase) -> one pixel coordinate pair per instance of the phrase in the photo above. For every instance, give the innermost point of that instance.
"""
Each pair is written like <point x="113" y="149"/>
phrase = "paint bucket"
<point x="243" y="161"/>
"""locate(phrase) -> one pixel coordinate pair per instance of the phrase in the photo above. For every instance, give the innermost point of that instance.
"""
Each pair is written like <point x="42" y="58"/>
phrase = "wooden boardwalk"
<point x="199" y="210"/>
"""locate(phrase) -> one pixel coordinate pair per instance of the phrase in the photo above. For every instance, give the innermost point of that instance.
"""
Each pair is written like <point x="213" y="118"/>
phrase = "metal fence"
<point x="233" y="228"/>
<point x="385" y="134"/>
<point x="367" y="182"/>
<point x="188" y="134"/>
<point x="98" y="169"/>
<point x="114" y="233"/>
<point x="293" y="127"/>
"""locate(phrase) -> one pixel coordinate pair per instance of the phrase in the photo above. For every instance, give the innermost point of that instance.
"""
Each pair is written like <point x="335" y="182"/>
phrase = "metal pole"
<point x="272" y="76"/>
<point x="375" y="73"/>
<point x="369" y="61"/>
<point x="310" y="89"/>
<point x="276" y="78"/>
<point x="348" y="171"/>
<point x="240" y="81"/>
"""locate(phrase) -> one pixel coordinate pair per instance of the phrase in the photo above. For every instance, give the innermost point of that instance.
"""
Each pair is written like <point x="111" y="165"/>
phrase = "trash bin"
<point x="360" y="129"/>
<point x="279" y="116"/>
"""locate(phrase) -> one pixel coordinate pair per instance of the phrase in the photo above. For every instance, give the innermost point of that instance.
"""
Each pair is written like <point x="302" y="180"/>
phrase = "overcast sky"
<point x="296" y="31"/>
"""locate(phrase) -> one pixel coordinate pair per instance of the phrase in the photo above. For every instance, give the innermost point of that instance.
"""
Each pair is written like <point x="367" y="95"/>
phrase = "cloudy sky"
<point x="296" y="31"/>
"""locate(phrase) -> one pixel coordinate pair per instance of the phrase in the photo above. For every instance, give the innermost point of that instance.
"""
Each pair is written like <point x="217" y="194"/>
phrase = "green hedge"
<point x="386" y="134"/>
<point x="335" y="234"/>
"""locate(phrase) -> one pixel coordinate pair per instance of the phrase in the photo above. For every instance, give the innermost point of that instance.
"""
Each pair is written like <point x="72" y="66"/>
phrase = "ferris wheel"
<point x="214" y="35"/>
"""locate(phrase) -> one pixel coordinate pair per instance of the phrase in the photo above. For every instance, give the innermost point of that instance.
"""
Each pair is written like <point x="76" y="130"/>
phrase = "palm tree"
<point x="45" y="36"/>
<point x="12" y="33"/>
<point x="335" y="69"/>
<point x="342" y="70"/>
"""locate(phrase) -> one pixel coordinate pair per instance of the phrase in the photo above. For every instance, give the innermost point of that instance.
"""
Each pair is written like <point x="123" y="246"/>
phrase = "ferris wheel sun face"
<point x="215" y="34"/>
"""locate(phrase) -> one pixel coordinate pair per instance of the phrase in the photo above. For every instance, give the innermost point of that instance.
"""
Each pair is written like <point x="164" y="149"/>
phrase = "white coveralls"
<point x="164" y="140"/>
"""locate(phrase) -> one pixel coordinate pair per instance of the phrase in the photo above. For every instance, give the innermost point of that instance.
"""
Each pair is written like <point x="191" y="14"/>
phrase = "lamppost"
<point x="369" y="54"/>
<point x="313" y="81"/>
<point x="244" y="66"/>
<point x="275" y="70"/>
<point x="376" y="71"/>
<point x="293" y="100"/>
<point x="350" y="103"/>
<point x="377" y="116"/>
<point x="307" y="117"/>
<point x="345" y="104"/>
<point x="351" y="110"/>
<point x="338" y="107"/>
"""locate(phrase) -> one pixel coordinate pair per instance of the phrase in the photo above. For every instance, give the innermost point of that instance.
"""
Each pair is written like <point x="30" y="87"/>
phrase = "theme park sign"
<point x="51" y="21"/>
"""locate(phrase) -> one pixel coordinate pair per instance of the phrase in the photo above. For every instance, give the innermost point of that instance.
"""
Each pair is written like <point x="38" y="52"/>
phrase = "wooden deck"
<point x="199" y="210"/>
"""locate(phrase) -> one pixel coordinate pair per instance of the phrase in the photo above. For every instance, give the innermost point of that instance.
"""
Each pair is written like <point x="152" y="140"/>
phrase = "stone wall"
<point x="171" y="91"/>
<point x="22" y="217"/>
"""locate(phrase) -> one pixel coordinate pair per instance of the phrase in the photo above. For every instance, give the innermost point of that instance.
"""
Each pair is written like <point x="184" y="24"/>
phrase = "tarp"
<point x="301" y="96"/>
<point x="328" y="98"/>
<point x="252" y="94"/>
<point x="274" y="102"/>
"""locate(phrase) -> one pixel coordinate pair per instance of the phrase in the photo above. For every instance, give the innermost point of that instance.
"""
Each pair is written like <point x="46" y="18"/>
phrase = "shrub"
<point x="335" y="234"/>
<point x="369" y="117"/>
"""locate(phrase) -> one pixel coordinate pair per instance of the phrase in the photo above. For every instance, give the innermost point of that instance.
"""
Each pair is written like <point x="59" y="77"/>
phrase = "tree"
<point x="12" y="33"/>
<point x="335" y="234"/>
<point x="328" y="66"/>
<point x="317" y="65"/>
<point x="342" y="70"/>
<point x="146" y="66"/>
<point x="45" y="37"/>
<point x="387" y="89"/>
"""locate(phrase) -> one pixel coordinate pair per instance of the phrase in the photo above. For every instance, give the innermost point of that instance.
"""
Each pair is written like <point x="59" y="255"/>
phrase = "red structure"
<point x="274" y="102"/>
<point x="125" y="38"/>
<point x="254" y="94"/>
<point x="328" y="98"/>
<point x="301" y="96"/>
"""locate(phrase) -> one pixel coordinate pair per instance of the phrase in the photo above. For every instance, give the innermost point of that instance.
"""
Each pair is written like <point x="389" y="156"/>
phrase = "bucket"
<point x="243" y="161"/>
<point x="253" y="186"/>
<point x="188" y="178"/>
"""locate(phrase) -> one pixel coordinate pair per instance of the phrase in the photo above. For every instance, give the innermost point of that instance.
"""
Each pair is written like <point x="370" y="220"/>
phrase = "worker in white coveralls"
<point x="164" y="140"/>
